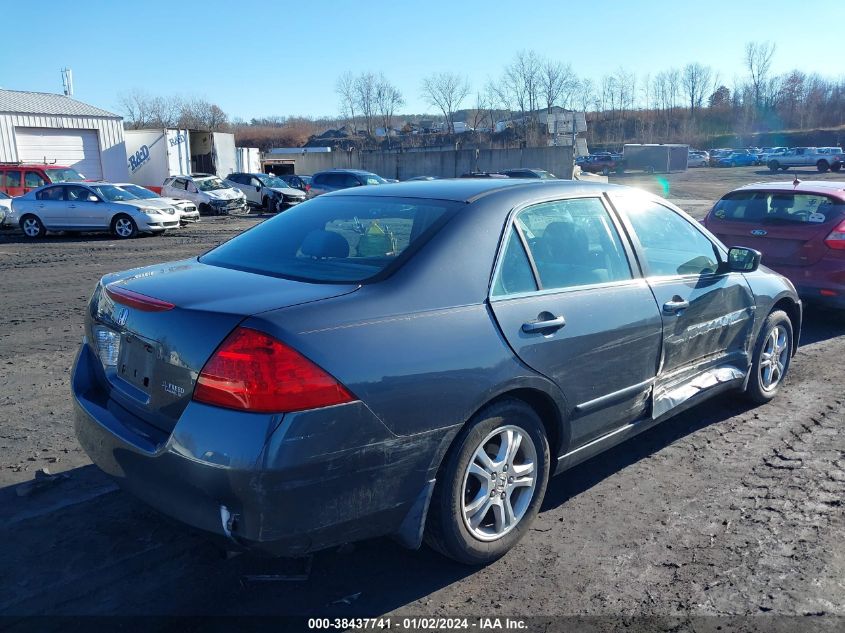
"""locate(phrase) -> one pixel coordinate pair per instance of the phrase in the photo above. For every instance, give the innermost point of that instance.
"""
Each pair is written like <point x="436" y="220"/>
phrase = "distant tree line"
<point x="689" y="104"/>
<point x="144" y="111"/>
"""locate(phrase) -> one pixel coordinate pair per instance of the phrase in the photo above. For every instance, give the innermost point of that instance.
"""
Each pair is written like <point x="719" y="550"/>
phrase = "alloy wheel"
<point x="499" y="483"/>
<point x="773" y="358"/>
<point x="31" y="227"/>
<point x="123" y="227"/>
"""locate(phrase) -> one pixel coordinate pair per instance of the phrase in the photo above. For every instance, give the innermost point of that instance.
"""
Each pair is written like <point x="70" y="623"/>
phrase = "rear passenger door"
<point x="707" y="312"/>
<point x="573" y="307"/>
<point x="51" y="208"/>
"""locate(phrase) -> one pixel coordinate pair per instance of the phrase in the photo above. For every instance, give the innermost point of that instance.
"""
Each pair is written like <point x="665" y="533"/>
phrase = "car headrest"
<point x="782" y="201"/>
<point x="322" y="244"/>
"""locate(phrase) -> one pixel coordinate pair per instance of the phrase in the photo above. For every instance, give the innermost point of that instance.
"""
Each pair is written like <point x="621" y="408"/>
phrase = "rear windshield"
<point x="335" y="239"/>
<point x="772" y="207"/>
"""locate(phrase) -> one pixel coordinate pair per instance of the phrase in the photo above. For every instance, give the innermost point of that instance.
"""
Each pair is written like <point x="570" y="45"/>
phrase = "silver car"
<point x="185" y="209"/>
<point x="82" y="206"/>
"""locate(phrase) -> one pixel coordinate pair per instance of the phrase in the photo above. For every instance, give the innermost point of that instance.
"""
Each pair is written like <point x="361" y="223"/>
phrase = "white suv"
<point x="266" y="191"/>
<point x="211" y="195"/>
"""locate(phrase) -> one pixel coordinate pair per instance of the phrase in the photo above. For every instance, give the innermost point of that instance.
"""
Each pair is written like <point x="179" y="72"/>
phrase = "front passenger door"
<point x="81" y="212"/>
<point x="707" y="311"/>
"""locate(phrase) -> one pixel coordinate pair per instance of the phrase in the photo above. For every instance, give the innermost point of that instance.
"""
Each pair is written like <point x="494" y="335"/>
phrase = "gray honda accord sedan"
<point x="417" y="360"/>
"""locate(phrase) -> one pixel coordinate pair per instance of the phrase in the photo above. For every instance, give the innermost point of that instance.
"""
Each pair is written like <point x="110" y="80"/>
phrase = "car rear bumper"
<point x="282" y="484"/>
<point x="823" y="282"/>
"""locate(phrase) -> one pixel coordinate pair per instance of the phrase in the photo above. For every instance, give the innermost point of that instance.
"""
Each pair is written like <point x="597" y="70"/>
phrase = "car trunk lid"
<point x="783" y="243"/>
<point x="154" y="328"/>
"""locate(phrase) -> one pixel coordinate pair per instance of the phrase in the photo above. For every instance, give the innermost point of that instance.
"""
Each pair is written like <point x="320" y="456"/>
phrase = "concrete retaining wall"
<point x="443" y="164"/>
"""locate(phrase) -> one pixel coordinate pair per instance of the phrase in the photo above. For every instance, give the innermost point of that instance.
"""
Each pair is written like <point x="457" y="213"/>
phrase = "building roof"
<point x="24" y="102"/>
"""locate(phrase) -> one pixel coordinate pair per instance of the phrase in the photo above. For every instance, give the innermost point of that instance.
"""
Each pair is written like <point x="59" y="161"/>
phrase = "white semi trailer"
<point x="154" y="155"/>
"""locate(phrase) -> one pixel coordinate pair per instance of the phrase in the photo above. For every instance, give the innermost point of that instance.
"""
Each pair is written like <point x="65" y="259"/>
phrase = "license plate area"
<point x="136" y="362"/>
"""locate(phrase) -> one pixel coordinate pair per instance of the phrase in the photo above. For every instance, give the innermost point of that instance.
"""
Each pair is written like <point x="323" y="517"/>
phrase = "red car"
<point x="799" y="227"/>
<point x="17" y="179"/>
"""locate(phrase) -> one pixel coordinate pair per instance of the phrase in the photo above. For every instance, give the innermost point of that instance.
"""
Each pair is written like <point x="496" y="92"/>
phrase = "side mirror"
<point x="258" y="187"/>
<point x="93" y="198"/>
<point x="743" y="260"/>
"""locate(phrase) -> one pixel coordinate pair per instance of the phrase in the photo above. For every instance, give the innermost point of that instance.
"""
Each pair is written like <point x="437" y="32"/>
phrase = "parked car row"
<point x="775" y="158"/>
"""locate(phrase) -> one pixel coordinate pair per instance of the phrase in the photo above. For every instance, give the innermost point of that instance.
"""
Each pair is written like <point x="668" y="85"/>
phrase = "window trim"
<point x="621" y="231"/>
<point x="718" y="248"/>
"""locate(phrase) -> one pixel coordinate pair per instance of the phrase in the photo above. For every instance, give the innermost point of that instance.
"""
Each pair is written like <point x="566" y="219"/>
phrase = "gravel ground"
<point x="724" y="510"/>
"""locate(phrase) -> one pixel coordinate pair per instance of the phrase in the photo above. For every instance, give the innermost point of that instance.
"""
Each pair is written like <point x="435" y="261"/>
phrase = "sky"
<point x="283" y="58"/>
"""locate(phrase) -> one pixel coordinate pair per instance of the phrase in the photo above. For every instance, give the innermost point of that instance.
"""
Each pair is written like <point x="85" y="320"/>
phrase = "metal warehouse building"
<point x="38" y="127"/>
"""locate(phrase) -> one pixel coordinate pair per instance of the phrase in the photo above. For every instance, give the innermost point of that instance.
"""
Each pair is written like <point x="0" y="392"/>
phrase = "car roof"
<point x="806" y="186"/>
<point x="469" y="189"/>
<point x="32" y="166"/>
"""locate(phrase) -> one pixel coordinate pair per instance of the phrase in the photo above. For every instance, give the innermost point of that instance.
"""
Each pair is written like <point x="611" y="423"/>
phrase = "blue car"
<point x="417" y="360"/>
<point x="737" y="159"/>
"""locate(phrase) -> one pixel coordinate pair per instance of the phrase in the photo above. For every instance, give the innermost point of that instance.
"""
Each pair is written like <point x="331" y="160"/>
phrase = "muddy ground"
<point x="724" y="510"/>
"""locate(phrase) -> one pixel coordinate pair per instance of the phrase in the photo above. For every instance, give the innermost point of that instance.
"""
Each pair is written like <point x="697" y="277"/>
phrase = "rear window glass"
<point x="335" y="239"/>
<point x="778" y="207"/>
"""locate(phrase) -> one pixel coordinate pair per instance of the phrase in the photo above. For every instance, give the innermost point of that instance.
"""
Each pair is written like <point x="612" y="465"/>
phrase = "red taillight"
<point x="136" y="300"/>
<point x="836" y="239"/>
<point x="307" y="188"/>
<point x="252" y="371"/>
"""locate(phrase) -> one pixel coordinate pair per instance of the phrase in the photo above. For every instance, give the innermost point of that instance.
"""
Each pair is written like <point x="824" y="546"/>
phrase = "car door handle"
<point x="71" y="206"/>
<point x="546" y="324"/>
<point x="675" y="305"/>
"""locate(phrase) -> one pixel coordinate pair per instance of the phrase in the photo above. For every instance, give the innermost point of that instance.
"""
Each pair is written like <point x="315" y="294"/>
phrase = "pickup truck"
<point x="601" y="163"/>
<point x="806" y="157"/>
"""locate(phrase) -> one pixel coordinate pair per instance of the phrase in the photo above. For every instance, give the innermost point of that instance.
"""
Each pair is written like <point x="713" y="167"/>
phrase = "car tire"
<point x="733" y="163"/>
<point x="649" y="169"/>
<point x="605" y="172"/>
<point x="123" y="227"/>
<point x="772" y="355"/>
<point x="836" y="167"/>
<point x="266" y="204"/>
<point x="464" y="475"/>
<point x="773" y="165"/>
<point x="32" y="227"/>
<point x="205" y="209"/>
<point x="822" y="166"/>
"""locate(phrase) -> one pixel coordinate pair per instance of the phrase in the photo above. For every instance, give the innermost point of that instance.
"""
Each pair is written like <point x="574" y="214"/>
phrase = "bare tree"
<point x="199" y="114"/>
<point x="446" y="91"/>
<point x="142" y="110"/>
<point x="557" y="84"/>
<point x="345" y="89"/>
<point x="695" y="81"/>
<point x="586" y="92"/>
<point x="387" y="99"/>
<point x="135" y="106"/>
<point x="365" y="96"/>
<point x="758" y="60"/>
<point x="521" y="82"/>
